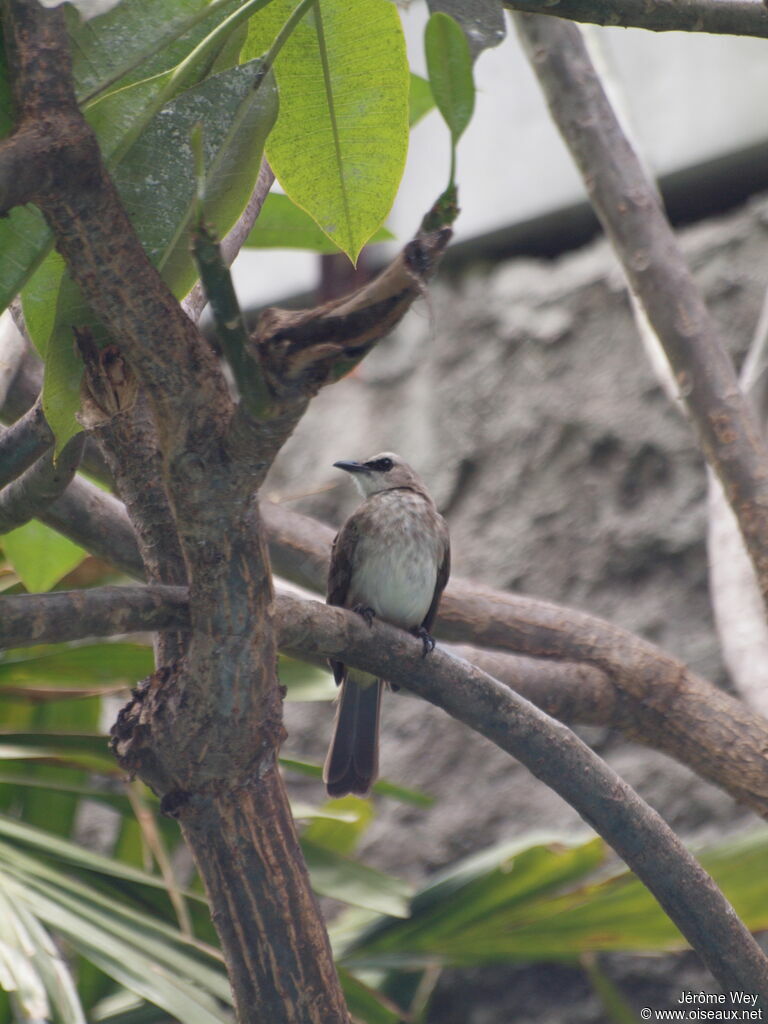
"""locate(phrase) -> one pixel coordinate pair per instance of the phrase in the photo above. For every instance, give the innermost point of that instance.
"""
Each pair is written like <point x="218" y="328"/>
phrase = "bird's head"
<point x="382" y="472"/>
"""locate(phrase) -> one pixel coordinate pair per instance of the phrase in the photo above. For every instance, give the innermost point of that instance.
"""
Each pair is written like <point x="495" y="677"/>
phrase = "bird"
<point x="391" y="560"/>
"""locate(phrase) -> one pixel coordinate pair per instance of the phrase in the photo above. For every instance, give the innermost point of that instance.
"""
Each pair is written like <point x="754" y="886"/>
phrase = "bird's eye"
<point x="380" y="465"/>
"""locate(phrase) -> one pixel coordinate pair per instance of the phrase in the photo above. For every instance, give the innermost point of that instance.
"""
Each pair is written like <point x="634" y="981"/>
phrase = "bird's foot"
<point x="426" y="638"/>
<point x="367" y="613"/>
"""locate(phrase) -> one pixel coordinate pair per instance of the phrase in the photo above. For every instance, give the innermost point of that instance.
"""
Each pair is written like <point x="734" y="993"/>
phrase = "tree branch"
<point x="303" y="350"/>
<point x="632" y="217"/>
<point x="102" y="611"/>
<point x="38" y="487"/>
<point x="557" y="757"/>
<point x="232" y="243"/>
<point x="721" y="17"/>
<point x="23" y="443"/>
<point x="682" y="715"/>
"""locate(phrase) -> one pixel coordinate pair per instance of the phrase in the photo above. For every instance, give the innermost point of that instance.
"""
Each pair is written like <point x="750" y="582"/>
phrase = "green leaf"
<point x="347" y="880"/>
<point x="305" y="682"/>
<point x="131" y="946"/>
<point x="40" y="556"/>
<point x="339" y="146"/>
<point x="518" y="903"/>
<point x="341" y="835"/>
<point x="32" y="968"/>
<point x="365" y="1004"/>
<point x="283" y="225"/>
<point x="473" y="912"/>
<point x="101" y="47"/>
<point x="235" y="118"/>
<point x="139" y="39"/>
<point x="84" y="665"/>
<point x="449" y="65"/>
<point x="76" y="749"/>
<point x="420" y="99"/>
<point x="157" y="182"/>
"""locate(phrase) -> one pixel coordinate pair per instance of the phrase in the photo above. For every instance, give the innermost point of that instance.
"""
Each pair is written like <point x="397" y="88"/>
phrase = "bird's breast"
<point x="396" y="561"/>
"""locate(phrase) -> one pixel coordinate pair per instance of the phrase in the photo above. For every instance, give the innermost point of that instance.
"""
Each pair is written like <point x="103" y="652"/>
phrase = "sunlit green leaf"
<point x="305" y="682"/>
<point x="338" y="148"/>
<point x="102" y="46"/>
<point x="40" y="556"/>
<point x="341" y="836"/>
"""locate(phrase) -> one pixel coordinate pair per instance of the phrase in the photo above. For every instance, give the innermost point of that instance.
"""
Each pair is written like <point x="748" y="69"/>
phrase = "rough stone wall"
<point x="522" y="394"/>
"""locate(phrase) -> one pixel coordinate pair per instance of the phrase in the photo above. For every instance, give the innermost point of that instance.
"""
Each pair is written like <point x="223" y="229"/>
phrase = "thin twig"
<point x="722" y="17"/>
<point x="233" y="241"/>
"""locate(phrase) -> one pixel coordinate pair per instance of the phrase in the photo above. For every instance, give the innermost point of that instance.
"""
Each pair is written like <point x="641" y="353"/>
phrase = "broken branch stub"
<point x="301" y="351"/>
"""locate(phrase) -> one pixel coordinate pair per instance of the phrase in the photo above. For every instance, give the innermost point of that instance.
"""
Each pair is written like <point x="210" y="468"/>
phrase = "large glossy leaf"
<point x="138" y="40"/>
<point x="39" y="555"/>
<point x="101" y="48"/>
<point x="158" y="184"/>
<point x="338" y="148"/>
<point x="157" y="179"/>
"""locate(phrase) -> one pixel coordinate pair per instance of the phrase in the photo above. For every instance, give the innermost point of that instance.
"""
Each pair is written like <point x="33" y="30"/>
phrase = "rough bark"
<point x="732" y="17"/>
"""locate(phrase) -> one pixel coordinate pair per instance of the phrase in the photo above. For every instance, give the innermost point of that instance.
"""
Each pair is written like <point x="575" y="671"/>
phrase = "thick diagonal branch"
<point x="557" y="757"/>
<point x="631" y="214"/>
<point x="722" y="17"/>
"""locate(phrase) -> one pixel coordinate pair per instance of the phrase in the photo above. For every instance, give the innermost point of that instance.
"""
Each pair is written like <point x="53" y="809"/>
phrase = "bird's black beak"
<point x="351" y="467"/>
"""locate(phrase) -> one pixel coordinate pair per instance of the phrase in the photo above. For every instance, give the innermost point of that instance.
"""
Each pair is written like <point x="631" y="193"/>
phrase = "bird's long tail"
<point x="353" y="758"/>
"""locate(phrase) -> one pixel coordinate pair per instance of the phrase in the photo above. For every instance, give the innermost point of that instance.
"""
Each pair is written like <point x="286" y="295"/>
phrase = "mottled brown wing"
<point x="442" y="578"/>
<point x="339" y="574"/>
